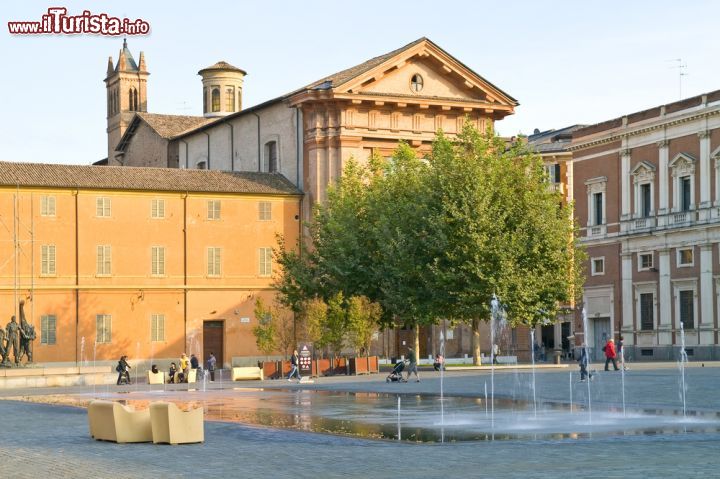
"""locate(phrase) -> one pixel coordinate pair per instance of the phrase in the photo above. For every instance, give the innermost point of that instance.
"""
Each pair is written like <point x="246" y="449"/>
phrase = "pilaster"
<point x="627" y="294"/>
<point x="705" y="199"/>
<point x="663" y="176"/>
<point x="706" y="294"/>
<point x="625" y="183"/>
<point x="665" y="300"/>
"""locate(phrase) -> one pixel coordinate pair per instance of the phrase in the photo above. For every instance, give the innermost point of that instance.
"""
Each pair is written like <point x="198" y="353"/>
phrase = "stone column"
<point x="665" y="300"/>
<point x="663" y="179"/>
<point x="705" y="199"/>
<point x="626" y="326"/>
<point x="707" y="297"/>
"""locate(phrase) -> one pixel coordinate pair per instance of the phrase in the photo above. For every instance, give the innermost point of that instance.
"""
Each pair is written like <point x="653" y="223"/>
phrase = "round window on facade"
<point x="416" y="83"/>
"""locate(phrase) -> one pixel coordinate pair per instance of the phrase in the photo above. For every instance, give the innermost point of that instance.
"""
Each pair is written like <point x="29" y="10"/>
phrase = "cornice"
<point x="624" y="132"/>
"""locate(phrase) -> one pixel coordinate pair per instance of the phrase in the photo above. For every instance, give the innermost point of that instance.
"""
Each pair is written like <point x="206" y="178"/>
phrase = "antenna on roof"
<point x="681" y="68"/>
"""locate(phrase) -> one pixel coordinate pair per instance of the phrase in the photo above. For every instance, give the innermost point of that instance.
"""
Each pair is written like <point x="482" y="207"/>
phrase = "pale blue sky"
<point x="566" y="62"/>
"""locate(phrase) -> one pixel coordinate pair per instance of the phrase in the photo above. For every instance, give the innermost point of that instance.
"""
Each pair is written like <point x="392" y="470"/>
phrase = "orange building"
<point x="148" y="262"/>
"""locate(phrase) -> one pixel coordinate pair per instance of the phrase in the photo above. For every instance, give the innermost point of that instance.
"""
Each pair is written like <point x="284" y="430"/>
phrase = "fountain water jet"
<point x="532" y="355"/>
<point x="683" y="360"/>
<point x="586" y="331"/>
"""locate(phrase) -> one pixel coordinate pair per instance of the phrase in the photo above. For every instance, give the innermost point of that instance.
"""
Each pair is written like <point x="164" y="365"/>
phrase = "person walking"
<point x="294" y="367"/>
<point x="610" y="354"/>
<point x="583" y="363"/>
<point x="621" y="353"/>
<point x="211" y="362"/>
<point x="412" y="367"/>
<point x="123" y="369"/>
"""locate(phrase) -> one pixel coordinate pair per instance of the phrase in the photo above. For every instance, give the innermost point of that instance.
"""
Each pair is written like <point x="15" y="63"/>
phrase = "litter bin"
<point x="557" y="354"/>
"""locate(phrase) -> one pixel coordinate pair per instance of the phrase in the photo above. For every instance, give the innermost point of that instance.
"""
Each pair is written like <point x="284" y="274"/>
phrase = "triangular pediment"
<point x="643" y="168"/>
<point x="716" y="153"/>
<point x="682" y="160"/>
<point x="443" y="76"/>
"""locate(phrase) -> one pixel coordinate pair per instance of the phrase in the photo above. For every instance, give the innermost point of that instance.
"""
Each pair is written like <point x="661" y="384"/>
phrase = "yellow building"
<point x="148" y="262"/>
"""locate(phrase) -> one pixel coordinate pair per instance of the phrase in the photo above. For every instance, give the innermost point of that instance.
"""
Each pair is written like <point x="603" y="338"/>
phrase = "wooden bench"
<point x="247" y="372"/>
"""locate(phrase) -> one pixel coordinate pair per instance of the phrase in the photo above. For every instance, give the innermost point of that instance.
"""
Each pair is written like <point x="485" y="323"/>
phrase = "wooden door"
<point x="213" y="335"/>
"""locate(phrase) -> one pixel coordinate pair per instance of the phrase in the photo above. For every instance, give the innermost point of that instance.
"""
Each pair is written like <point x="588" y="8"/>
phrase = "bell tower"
<point x="126" y="86"/>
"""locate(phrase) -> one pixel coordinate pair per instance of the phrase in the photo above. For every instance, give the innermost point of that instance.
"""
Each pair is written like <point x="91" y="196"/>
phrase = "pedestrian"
<point x="211" y="362"/>
<point x="294" y="371"/>
<point x="439" y="362"/>
<point x="184" y="366"/>
<point x="194" y="363"/>
<point x="495" y="353"/>
<point x="412" y="366"/>
<point x="610" y="354"/>
<point x="621" y="353"/>
<point x="154" y="369"/>
<point x="123" y="370"/>
<point x="583" y="362"/>
<point x="543" y="352"/>
<point x="172" y="373"/>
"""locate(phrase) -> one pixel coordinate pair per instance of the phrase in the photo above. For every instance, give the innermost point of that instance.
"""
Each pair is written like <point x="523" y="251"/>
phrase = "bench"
<point x="156" y="378"/>
<point x="247" y="372"/>
<point x="112" y="421"/>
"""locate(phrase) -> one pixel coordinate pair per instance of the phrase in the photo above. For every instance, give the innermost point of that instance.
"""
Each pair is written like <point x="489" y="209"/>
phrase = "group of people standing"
<point x="175" y="375"/>
<point x="612" y="353"/>
<point x="18" y="337"/>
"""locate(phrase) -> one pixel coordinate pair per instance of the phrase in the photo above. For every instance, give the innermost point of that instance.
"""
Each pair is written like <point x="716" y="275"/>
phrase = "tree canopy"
<point x="434" y="238"/>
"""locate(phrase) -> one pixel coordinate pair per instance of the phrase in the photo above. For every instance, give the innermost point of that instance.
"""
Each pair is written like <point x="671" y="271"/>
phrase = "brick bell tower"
<point x="126" y="86"/>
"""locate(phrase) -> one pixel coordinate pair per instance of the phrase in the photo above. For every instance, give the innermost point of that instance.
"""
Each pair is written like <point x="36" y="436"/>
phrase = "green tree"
<point x="334" y="329"/>
<point x="363" y="317"/>
<point x="499" y="230"/>
<point x="264" y="332"/>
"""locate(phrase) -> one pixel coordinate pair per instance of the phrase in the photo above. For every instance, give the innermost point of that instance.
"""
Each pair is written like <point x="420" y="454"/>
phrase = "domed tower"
<point x="222" y="89"/>
<point x="126" y="85"/>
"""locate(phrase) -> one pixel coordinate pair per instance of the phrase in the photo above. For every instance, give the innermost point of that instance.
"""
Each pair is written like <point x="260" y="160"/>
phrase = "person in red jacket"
<point x="610" y="354"/>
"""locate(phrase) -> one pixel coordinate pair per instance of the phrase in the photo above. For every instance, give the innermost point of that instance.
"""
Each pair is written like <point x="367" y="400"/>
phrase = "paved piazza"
<point x="52" y="440"/>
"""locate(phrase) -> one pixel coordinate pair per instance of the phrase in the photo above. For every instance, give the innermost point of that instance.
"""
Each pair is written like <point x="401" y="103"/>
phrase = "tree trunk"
<point x="476" y="341"/>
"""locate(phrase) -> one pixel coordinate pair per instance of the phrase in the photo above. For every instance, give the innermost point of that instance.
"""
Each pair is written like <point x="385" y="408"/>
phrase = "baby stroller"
<point x="396" y="374"/>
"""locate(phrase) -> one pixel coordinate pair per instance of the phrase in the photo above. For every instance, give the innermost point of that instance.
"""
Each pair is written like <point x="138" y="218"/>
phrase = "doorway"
<point x="213" y="337"/>
<point x="601" y="328"/>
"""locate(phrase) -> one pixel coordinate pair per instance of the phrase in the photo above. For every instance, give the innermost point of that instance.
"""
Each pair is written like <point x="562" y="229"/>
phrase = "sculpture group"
<point x="18" y="338"/>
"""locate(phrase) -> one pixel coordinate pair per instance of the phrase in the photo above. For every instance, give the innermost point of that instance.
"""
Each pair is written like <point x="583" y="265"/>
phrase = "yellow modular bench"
<point x="156" y="378"/>
<point x="172" y="426"/>
<point x="247" y="372"/>
<point x="112" y="421"/>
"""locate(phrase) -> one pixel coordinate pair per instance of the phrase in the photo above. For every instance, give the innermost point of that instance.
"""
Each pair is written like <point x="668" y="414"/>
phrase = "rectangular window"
<point x="47" y="259"/>
<point x="157" y="209"/>
<point x="645" y="261"/>
<point x="214" y="261"/>
<point x="47" y="205"/>
<point x="685" y="257"/>
<point x="553" y="172"/>
<point x="597" y="266"/>
<point x="158" y="260"/>
<point x="103" y="328"/>
<point x="598" y="207"/>
<point x="157" y="328"/>
<point x="265" y="261"/>
<point x="213" y="209"/>
<point x="646" y="311"/>
<point x="687" y="309"/>
<point x="48" y="323"/>
<point x="264" y="211"/>
<point x="104" y="260"/>
<point x="645" y="200"/>
<point x="685" y="191"/>
<point x="102" y="207"/>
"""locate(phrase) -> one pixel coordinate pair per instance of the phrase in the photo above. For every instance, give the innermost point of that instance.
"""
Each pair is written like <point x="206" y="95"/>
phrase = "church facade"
<point x="309" y="134"/>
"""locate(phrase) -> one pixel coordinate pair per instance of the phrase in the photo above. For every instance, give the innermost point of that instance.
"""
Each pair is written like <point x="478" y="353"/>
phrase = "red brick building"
<point x="647" y="199"/>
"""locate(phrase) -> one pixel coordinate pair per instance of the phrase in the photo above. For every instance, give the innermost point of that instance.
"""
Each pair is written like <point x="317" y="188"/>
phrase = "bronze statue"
<point x="12" y="331"/>
<point x="27" y="335"/>
<point x="3" y="350"/>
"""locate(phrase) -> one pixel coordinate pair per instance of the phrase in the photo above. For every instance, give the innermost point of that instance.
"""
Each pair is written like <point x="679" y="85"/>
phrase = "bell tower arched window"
<point x="215" y="99"/>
